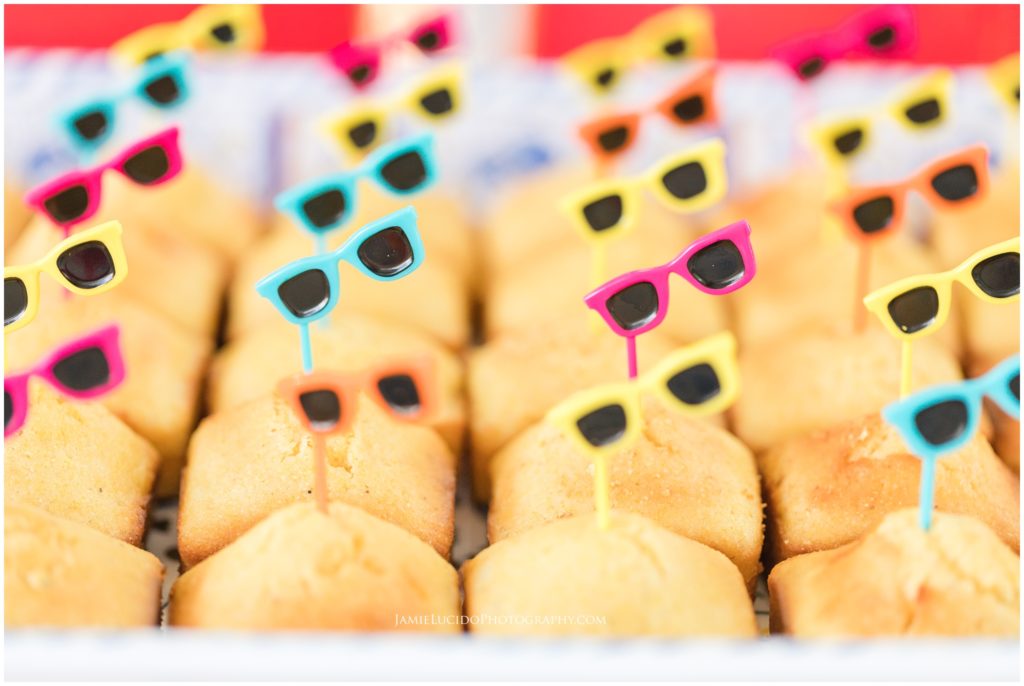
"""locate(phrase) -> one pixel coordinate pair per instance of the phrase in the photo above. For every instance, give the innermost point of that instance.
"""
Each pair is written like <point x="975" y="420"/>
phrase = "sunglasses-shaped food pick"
<point x="362" y="127"/>
<point x="213" y="27"/>
<point x="918" y="305"/>
<point x="324" y="204"/>
<point x="690" y="180"/>
<point x="84" y="368"/>
<point x="689" y="104"/>
<point x="717" y="263"/>
<point x="952" y="181"/>
<point x="75" y="196"/>
<point x="324" y="401"/>
<point x="677" y="34"/>
<point x="87" y="263"/>
<point x="700" y="379"/>
<point x="924" y="104"/>
<point x="1004" y="76"/>
<point x="161" y="82"/>
<point x="884" y="31"/>
<point x="360" y="62"/>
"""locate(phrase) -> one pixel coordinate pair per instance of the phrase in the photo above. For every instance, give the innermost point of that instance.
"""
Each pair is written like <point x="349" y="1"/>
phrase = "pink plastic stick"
<point x="631" y="355"/>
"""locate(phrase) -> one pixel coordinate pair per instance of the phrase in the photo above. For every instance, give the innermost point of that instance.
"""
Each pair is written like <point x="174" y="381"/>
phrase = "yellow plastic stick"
<point x="598" y="267"/>
<point x="601" y="490"/>
<point x="905" y="368"/>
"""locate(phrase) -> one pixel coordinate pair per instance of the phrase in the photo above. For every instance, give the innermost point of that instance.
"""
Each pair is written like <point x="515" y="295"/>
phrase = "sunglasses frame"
<point x="878" y="301"/>
<point x="348" y="386"/>
<point x="717" y="350"/>
<point x="348" y="56"/>
<point x="168" y="65"/>
<point x="737" y="233"/>
<point x="328" y="262"/>
<point x="290" y="202"/>
<point x="109" y="234"/>
<point x="701" y="83"/>
<point x="993" y="384"/>
<point x="919" y="181"/>
<point x="1004" y="77"/>
<point x="448" y="77"/>
<point x="192" y="32"/>
<point x="91" y="179"/>
<point x="711" y="156"/>
<point x="16" y="385"/>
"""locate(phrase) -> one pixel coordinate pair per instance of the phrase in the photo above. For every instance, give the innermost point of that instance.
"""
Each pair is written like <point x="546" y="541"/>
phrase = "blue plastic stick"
<point x="927" y="495"/>
<point x="307" y="348"/>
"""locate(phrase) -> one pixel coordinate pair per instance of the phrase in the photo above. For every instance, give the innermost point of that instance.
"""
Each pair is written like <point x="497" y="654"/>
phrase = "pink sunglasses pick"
<point x="84" y="368"/>
<point x="75" y="197"/>
<point x="360" y="62"/>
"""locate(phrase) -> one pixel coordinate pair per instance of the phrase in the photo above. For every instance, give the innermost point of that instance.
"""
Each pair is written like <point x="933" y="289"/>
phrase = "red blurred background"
<point x="947" y="33"/>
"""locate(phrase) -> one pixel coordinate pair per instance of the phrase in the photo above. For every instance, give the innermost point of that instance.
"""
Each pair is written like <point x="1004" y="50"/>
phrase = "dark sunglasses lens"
<point x="874" y="215"/>
<point x="405" y="172"/>
<point x="613" y="139"/>
<point x="87" y="265"/>
<point x="717" y="266"/>
<point x="689" y="109"/>
<point x="306" y="293"/>
<point x="363" y="135"/>
<point x="957" y="183"/>
<point x="695" y="385"/>
<point x="635" y="306"/>
<point x="91" y="126"/>
<point x="881" y="37"/>
<point x="83" y="371"/>
<point x="849" y="142"/>
<point x="322" y="409"/>
<point x="674" y="48"/>
<point x="686" y="181"/>
<point x="15" y="299"/>
<point x="438" y="102"/>
<point x="428" y="41"/>
<point x="810" y="68"/>
<point x="163" y="90"/>
<point x="8" y="409"/>
<point x="360" y="74"/>
<point x="225" y="33"/>
<point x="605" y="78"/>
<point x="943" y="422"/>
<point x="603" y="426"/>
<point x="999" y="275"/>
<point x="604" y="213"/>
<point x="68" y="205"/>
<point x="1015" y="386"/>
<point x="387" y="252"/>
<point x="924" y="112"/>
<point x="400" y="393"/>
<point x="326" y="209"/>
<point x="148" y="166"/>
<point x="914" y="310"/>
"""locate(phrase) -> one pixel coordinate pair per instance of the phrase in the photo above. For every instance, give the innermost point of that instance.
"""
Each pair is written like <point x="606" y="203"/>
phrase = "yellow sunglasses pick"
<point x="698" y="380"/>
<point x="1004" y="76"/>
<point x="87" y="263"/>
<point x="211" y="27"/>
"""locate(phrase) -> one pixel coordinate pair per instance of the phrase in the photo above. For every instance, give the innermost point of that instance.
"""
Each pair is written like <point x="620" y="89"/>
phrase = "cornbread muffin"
<point x="551" y="286"/>
<point x="191" y="206"/>
<point x="814" y="378"/>
<point x="164" y="364"/>
<point x="826" y="488"/>
<point x="351" y="342"/>
<point x="514" y="380"/>
<point x="16" y="215"/>
<point x="1006" y="429"/>
<point x="991" y="330"/>
<point x="247" y="462"/>
<point x="78" y="461"/>
<point x="687" y="475"/>
<point x="642" y="580"/>
<point x="168" y="274"/>
<point x="956" y="579"/>
<point x="433" y="299"/>
<point x="61" y="574"/>
<point x="302" y="569"/>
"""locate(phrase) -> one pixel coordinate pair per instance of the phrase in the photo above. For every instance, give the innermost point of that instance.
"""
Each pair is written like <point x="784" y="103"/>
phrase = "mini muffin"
<point x="434" y="298"/>
<point x="1006" y="429"/>
<point x="16" y="216"/>
<point x="164" y="364"/>
<point x="829" y="487"/>
<point x="351" y="342"/>
<point x="514" y="380"/>
<point x="302" y="569"/>
<point x="178" y="280"/>
<point x="816" y="378"/>
<point x="956" y="579"/>
<point x="247" y="462"/>
<point x="991" y="330"/>
<point x="685" y="474"/>
<point x="638" y="578"/>
<point x="61" y="574"/>
<point x="78" y="461"/>
<point x="190" y="206"/>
